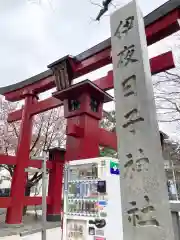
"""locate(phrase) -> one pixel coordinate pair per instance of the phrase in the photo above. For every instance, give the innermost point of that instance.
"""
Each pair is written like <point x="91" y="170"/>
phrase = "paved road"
<point x="30" y="225"/>
<point x="2" y="210"/>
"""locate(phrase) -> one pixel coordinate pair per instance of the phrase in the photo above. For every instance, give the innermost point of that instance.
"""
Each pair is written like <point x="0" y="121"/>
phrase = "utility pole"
<point x="44" y="203"/>
<point x="174" y="178"/>
<point x="43" y="170"/>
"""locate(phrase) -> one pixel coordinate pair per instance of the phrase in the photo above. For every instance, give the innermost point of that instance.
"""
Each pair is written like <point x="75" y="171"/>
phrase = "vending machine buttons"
<point x="99" y="232"/>
<point x="91" y="231"/>
<point x="99" y="223"/>
<point x="101" y="186"/>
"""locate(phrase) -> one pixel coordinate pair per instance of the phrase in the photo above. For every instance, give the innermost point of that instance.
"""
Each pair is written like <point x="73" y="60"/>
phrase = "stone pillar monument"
<point x="145" y="205"/>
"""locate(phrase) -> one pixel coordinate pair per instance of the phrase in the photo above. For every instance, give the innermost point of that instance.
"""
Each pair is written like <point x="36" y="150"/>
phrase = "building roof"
<point x="149" y="19"/>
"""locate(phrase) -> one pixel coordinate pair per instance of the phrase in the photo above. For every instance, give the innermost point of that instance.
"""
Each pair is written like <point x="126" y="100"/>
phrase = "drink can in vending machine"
<point x="79" y="207"/>
<point x="86" y="206"/>
<point x="83" y="207"/>
<point x="88" y="189"/>
<point x="85" y="190"/>
<point x="94" y="189"/>
<point x="76" y="206"/>
<point x="73" y="189"/>
<point x="77" y="190"/>
<point x="81" y="189"/>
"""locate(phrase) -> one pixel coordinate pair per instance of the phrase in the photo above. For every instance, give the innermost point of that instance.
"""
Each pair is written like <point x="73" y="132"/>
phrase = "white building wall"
<point x="4" y="176"/>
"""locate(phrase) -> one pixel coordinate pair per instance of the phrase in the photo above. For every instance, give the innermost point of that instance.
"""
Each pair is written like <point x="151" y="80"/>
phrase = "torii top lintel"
<point x="160" y="23"/>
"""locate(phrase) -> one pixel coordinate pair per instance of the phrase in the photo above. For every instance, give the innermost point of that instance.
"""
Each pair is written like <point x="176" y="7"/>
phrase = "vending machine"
<point x="92" y="200"/>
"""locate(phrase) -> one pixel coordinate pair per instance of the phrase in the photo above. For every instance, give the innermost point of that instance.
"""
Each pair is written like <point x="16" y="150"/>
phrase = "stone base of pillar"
<point x="13" y="225"/>
<point x="53" y="217"/>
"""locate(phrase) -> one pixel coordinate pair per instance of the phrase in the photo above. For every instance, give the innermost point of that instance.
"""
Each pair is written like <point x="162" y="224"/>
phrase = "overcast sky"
<point x="34" y="34"/>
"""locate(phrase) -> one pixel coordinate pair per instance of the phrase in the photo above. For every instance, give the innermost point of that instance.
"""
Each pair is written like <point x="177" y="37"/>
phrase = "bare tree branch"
<point x="15" y="129"/>
<point x="96" y="4"/>
<point x="37" y="137"/>
<point x="104" y="9"/>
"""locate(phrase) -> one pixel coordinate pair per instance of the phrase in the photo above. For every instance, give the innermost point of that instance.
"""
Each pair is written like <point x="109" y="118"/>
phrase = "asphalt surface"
<point x="29" y="225"/>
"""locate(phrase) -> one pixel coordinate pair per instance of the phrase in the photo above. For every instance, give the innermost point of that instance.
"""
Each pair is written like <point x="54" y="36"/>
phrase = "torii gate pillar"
<point x="56" y="155"/>
<point x="14" y="212"/>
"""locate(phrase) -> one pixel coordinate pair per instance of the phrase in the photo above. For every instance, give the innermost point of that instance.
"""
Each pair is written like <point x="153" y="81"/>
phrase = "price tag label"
<point x="99" y="238"/>
<point x="66" y="179"/>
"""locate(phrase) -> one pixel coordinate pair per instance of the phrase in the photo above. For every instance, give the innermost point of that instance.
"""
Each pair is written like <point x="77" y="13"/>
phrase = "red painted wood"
<point x="14" y="116"/>
<point x="86" y="146"/>
<point x="107" y="139"/>
<point x="164" y="27"/>
<point x="154" y="33"/>
<point x="5" y="202"/>
<point x="93" y="63"/>
<point x="162" y="62"/>
<point x="9" y="160"/>
<point x="31" y="201"/>
<point x="40" y="86"/>
<point x="158" y="64"/>
<point x="14" y="212"/>
<point x="46" y="104"/>
<point x="55" y="182"/>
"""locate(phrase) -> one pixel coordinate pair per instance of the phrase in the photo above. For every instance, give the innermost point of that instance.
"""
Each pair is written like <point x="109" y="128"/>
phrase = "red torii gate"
<point x="159" y="24"/>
